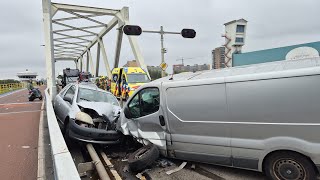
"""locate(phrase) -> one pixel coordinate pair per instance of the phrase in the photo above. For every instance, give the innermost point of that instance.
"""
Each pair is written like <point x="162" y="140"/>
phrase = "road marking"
<point x="20" y="103"/>
<point x="20" y="112"/>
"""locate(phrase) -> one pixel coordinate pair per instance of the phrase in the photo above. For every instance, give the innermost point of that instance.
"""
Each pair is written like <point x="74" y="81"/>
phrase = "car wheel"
<point x="143" y="157"/>
<point x="289" y="165"/>
<point x="40" y="97"/>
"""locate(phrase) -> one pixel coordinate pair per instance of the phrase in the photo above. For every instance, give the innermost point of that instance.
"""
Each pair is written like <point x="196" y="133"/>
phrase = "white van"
<point x="264" y="117"/>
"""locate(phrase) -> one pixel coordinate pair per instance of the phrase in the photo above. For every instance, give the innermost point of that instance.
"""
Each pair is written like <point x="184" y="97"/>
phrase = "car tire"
<point x="289" y="165"/>
<point x="66" y="133"/>
<point x="40" y="97"/>
<point x="143" y="157"/>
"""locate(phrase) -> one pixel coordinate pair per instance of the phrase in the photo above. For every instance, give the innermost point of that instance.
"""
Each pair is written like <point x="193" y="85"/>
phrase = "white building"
<point x="235" y="36"/>
<point x="27" y="76"/>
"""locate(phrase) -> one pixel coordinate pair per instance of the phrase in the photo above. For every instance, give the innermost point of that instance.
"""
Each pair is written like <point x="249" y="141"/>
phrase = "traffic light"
<point x="188" y="33"/>
<point x="132" y="30"/>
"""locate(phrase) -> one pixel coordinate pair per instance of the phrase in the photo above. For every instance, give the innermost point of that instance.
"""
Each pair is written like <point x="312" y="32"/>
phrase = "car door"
<point x="57" y="101"/>
<point x="147" y="120"/>
<point x="64" y="105"/>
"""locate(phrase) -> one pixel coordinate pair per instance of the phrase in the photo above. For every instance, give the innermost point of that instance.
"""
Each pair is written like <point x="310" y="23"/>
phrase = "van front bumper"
<point x="93" y="135"/>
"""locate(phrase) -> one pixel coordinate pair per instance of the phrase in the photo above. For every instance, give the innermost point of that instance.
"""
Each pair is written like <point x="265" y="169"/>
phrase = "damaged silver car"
<point x="88" y="114"/>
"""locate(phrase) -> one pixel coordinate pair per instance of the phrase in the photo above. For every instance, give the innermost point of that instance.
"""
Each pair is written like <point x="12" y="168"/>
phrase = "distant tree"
<point x="155" y="73"/>
<point x="8" y="81"/>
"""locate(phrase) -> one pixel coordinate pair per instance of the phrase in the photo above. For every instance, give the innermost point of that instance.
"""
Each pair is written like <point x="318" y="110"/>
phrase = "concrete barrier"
<point x="64" y="167"/>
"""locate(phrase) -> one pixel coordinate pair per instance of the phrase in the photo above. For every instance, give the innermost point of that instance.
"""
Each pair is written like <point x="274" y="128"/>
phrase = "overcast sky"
<point x="271" y="23"/>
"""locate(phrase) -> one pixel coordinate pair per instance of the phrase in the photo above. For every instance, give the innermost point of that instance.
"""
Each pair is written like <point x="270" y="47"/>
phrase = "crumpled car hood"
<point x="102" y="108"/>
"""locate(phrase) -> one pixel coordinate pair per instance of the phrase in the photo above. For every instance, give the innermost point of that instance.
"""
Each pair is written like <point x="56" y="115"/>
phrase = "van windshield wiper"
<point x="84" y="99"/>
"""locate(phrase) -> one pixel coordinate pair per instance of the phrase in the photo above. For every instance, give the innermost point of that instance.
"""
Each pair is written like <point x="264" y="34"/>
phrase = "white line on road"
<point x="21" y="103"/>
<point x="19" y="112"/>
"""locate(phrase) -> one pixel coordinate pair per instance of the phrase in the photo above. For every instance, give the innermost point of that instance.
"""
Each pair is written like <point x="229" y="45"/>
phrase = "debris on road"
<point x="143" y="175"/>
<point x="126" y="168"/>
<point x="162" y="162"/>
<point x="182" y="165"/>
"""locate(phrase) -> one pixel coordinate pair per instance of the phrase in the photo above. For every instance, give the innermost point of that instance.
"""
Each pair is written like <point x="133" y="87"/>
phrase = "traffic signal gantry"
<point x="134" y="30"/>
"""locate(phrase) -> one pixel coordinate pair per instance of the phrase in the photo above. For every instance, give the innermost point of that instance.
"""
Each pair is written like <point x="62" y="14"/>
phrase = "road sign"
<point x="163" y="66"/>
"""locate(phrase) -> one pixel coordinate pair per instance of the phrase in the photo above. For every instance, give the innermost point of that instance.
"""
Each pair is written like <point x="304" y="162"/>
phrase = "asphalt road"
<point x="19" y="126"/>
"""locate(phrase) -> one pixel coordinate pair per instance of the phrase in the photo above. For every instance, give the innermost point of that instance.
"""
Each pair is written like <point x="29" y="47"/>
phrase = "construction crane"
<point x="182" y="60"/>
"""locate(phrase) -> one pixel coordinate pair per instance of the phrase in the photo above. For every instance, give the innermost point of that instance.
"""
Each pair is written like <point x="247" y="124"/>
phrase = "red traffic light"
<point x="188" y="33"/>
<point x="132" y="30"/>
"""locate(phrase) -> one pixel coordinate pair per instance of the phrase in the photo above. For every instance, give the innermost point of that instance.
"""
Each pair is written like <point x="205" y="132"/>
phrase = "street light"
<point x="134" y="30"/>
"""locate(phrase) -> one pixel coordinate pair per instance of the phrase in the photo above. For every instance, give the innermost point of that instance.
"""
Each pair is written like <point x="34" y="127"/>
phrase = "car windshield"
<point x="96" y="96"/>
<point x="137" y="78"/>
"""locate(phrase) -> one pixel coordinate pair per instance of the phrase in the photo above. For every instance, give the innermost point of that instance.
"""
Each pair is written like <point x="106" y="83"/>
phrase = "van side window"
<point x="145" y="103"/>
<point x="134" y="106"/>
<point x="150" y="101"/>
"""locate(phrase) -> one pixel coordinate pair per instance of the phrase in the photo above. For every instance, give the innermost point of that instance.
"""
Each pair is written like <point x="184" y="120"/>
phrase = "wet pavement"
<point x="19" y="127"/>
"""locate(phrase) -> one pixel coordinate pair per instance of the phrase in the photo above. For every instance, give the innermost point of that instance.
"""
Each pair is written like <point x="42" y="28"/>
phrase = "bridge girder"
<point x="64" y="48"/>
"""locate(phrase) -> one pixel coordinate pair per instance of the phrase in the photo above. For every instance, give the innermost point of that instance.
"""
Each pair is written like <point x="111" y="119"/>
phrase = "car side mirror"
<point x="127" y="112"/>
<point x="67" y="98"/>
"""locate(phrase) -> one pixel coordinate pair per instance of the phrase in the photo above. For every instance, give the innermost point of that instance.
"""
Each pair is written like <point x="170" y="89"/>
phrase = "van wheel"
<point x="289" y="165"/>
<point x="143" y="157"/>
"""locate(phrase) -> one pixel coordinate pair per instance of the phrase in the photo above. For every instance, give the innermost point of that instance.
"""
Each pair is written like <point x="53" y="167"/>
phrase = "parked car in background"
<point x="88" y="113"/>
<point x="262" y="117"/>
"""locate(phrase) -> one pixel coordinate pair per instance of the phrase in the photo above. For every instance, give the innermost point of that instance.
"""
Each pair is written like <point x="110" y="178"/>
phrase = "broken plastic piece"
<point x="182" y="165"/>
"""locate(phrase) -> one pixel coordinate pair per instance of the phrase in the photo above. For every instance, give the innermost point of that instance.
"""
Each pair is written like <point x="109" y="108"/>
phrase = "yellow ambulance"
<point x="126" y="80"/>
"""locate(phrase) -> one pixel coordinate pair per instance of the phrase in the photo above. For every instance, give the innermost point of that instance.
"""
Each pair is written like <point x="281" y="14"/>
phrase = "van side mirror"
<point x="68" y="98"/>
<point x="127" y="112"/>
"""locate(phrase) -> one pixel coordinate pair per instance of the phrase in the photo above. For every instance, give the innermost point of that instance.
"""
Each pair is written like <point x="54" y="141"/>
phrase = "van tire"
<point x="143" y="157"/>
<point x="289" y="165"/>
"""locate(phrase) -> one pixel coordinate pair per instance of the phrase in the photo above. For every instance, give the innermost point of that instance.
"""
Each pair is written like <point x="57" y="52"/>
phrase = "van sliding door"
<point x="197" y="117"/>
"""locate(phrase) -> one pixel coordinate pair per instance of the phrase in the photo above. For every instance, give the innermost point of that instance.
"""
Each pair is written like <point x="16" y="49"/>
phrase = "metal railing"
<point x="64" y="167"/>
<point x="10" y="87"/>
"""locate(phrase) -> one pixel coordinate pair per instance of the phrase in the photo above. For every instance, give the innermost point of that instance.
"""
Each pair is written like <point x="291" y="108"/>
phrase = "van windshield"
<point x="137" y="78"/>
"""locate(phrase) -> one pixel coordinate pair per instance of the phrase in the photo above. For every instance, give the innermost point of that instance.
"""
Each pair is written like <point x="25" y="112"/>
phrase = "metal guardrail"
<point x="64" y="167"/>
<point x="10" y="87"/>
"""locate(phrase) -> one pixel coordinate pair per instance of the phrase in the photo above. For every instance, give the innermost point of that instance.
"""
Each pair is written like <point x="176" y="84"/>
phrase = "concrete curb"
<point x="63" y="165"/>
<point x="41" y="150"/>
